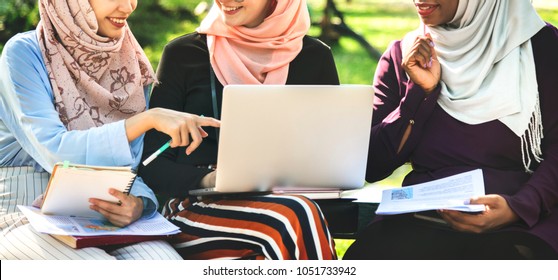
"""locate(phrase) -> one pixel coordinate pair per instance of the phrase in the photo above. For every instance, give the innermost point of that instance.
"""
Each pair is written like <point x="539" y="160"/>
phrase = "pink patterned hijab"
<point x="95" y="80"/>
<point x="259" y="55"/>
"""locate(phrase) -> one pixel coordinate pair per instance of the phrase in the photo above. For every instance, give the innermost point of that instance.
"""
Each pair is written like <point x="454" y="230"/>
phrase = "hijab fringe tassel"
<point x="531" y="140"/>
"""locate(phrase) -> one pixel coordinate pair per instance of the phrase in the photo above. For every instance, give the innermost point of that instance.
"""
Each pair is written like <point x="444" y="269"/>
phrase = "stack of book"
<point x="65" y="212"/>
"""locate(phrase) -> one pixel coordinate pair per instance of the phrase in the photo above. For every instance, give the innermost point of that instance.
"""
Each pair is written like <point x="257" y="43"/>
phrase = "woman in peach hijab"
<point x="239" y="42"/>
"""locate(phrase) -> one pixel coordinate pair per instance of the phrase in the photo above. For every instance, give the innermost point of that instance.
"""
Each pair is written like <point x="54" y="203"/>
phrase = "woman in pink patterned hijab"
<point x="97" y="76"/>
<point x="97" y="69"/>
<point x="75" y="90"/>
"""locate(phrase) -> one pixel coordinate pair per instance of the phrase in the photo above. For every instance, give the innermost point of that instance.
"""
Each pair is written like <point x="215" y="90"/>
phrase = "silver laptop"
<point x="296" y="136"/>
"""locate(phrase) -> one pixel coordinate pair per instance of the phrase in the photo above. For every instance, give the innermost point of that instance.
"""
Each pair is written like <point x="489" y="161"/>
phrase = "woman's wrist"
<point x="148" y="206"/>
<point x="138" y="124"/>
<point x="429" y="90"/>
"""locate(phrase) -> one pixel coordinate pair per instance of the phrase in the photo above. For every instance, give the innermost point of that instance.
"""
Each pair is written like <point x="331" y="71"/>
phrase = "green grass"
<point x="549" y="15"/>
<point x="380" y="22"/>
<point x="341" y="246"/>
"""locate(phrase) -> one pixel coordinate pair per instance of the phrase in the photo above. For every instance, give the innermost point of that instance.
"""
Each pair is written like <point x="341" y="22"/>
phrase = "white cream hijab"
<point x="488" y="69"/>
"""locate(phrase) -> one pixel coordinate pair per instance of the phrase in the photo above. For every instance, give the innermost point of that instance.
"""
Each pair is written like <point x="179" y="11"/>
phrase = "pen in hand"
<point x="156" y="153"/>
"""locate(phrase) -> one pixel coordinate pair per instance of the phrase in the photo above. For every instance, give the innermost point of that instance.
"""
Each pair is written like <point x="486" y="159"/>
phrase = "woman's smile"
<point x="425" y="9"/>
<point x="231" y="10"/>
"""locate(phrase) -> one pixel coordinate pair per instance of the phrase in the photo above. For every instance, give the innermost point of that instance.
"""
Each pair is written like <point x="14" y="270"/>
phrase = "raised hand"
<point x="421" y="63"/>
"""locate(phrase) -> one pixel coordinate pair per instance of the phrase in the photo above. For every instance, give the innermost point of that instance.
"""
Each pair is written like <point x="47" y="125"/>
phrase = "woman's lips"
<point x="425" y="9"/>
<point x="118" y="22"/>
<point x="231" y="10"/>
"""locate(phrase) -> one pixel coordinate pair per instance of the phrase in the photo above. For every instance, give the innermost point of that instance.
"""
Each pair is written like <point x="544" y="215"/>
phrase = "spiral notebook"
<point x="71" y="185"/>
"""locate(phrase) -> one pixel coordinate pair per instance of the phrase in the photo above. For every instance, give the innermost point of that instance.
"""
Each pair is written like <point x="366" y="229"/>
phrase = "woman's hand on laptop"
<point x="208" y="181"/>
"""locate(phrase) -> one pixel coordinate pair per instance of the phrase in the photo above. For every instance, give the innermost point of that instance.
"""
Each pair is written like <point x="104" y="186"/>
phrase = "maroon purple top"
<point x="440" y="145"/>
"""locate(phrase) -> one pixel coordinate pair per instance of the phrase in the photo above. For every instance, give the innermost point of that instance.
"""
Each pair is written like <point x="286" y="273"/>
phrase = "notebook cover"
<point x="78" y="242"/>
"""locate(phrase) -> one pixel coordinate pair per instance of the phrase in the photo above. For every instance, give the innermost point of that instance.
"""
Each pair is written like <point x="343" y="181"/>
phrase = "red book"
<point x="78" y="242"/>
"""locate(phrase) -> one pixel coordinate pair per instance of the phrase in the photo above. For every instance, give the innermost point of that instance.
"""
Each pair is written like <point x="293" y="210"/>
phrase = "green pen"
<point x="155" y="154"/>
<point x="158" y="152"/>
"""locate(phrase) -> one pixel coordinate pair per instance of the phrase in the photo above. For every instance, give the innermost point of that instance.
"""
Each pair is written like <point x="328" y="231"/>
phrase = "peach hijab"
<point x="260" y="55"/>
<point x="95" y="79"/>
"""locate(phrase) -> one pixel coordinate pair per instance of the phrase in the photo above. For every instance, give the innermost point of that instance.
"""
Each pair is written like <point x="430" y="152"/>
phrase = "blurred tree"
<point x="17" y="16"/>
<point x="333" y="27"/>
<point x="22" y="15"/>
<point x="176" y="5"/>
<point x="151" y="15"/>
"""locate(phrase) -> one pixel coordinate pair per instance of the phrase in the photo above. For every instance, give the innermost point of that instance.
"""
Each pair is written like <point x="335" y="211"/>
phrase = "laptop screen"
<point x="293" y="135"/>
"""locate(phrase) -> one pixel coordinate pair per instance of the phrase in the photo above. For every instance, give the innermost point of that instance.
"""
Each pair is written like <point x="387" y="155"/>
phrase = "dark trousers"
<point x="406" y="237"/>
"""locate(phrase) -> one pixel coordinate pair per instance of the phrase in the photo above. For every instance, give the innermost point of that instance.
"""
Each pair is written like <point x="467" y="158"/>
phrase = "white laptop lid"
<point x="293" y="135"/>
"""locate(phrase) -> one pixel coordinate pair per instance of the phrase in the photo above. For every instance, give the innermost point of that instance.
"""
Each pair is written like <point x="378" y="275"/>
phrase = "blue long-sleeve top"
<point x="32" y="134"/>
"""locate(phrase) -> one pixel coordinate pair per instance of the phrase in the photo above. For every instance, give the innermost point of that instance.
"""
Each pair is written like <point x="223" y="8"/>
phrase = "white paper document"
<point x="451" y="193"/>
<point x="368" y="194"/>
<point x="66" y="225"/>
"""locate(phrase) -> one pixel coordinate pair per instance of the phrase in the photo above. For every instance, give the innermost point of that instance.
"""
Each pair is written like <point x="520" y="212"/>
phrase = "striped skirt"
<point x="250" y="227"/>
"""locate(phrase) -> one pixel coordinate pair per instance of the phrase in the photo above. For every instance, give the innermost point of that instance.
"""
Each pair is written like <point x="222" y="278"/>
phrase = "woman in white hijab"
<point x="474" y="87"/>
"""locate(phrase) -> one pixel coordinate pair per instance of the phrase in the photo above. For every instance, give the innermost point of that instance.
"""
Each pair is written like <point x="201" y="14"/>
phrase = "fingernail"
<point x="432" y="44"/>
<point x="430" y="63"/>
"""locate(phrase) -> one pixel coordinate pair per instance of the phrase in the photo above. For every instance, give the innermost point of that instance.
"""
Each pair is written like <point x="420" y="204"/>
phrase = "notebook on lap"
<point x="296" y="136"/>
